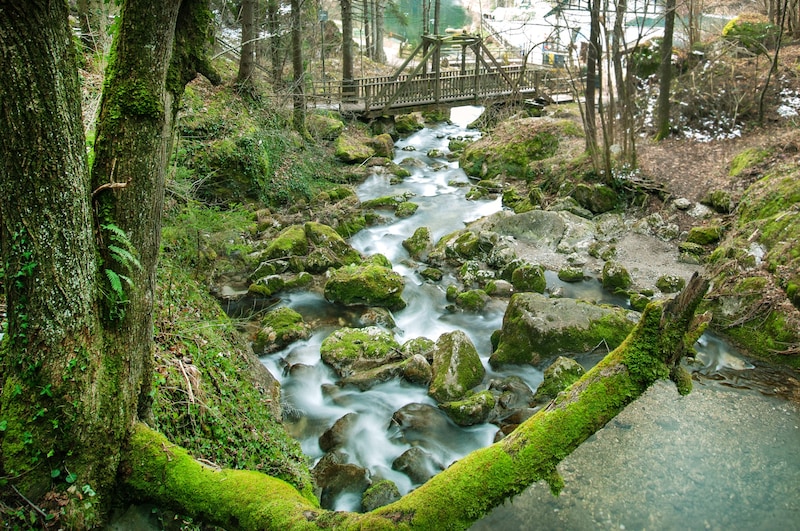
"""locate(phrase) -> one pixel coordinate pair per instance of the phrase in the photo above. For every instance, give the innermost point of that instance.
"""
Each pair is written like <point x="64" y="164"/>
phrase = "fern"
<point x="123" y="253"/>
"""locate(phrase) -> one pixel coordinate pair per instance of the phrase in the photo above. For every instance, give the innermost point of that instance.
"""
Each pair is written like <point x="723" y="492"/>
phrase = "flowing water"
<point x="666" y="462"/>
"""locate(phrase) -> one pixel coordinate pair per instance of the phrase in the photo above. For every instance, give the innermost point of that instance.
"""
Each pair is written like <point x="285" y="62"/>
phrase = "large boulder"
<point x="352" y="149"/>
<point x="324" y="127"/>
<point x="369" y="284"/>
<point x="349" y="350"/>
<point x="419" y="243"/>
<point x="536" y="327"/>
<point x="597" y="199"/>
<point x="338" y="434"/>
<point x="291" y="241"/>
<point x="457" y="368"/>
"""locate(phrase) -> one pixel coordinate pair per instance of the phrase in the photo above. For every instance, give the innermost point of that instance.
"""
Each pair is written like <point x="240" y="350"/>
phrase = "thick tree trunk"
<point x="298" y="72"/>
<point x="53" y="344"/>
<point x="347" y="48"/>
<point x="469" y="488"/>
<point x="247" y="59"/>
<point x="380" y="52"/>
<point x="592" y="82"/>
<point x="274" y="28"/>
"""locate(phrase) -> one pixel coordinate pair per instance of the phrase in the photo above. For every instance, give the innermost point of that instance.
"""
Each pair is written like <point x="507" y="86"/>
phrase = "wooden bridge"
<point x="435" y="84"/>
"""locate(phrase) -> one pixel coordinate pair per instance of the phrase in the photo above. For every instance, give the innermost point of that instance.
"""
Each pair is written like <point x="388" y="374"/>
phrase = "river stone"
<point x="536" y="327"/>
<point x="562" y="373"/>
<point x="615" y="277"/>
<point x="472" y="410"/>
<point x="705" y="235"/>
<point x="568" y="204"/>
<point x="417" y="370"/>
<point x="418" y="422"/>
<point x="279" y="328"/>
<point x="670" y="283"/>
<point x="500" y="288"/>
<point x="334" y="476"/>
<point x="324" y="127"/>
<point x="431" y="273"/>
<point x="377" y="316"/>
<point x="328" y="248"/>
<point x="419" y="243"/>
<point x="351" y="149"/>
<point x="339" y="433"/>
<point x="379" y="494"/>
<point x="570" y="274"/>
<point x="473" y="300"/>
<point x="406" y="209"/>
<point x="348" y="350"/>
<point x="367" y="379"/>
<point x="419" y="345"/>
<point x="457" y="368"/>
<point x="291" y="241"/>
<point x="513" y="392"/>
<point x="417" y="464"/>
<point x="529" y="277"/>
<point x="368" y="284"/>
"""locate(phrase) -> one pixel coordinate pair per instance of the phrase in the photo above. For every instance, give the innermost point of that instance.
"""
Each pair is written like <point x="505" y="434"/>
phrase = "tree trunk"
<point x="469" y="488"/>
<point x="247" y="59"/>
<point x="592" y="79"/>
<point x="665" y="73"/>
<point x="380" y="52"/>
<point x="274" y="28"/>
<point x="298" y="91"/>
<point x="77" y="364"/>
<point x="348" y="88"/>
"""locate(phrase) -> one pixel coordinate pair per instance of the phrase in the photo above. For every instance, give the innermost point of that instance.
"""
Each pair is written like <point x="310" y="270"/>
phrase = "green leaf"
<point x="55" y="473"/>
<point x="71" y="477"/>
<point x="3" y="425"/>
<point x="116" y="283"/>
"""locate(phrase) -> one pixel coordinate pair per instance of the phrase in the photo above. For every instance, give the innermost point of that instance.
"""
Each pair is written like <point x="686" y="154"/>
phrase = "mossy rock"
<point x="291" y="241"/>
<point x="431" y="273"/>
<point x="466" y="245"/>
<point x="472" y="410"/>
<point x="719" y="200"/>
<point x="370" y="284"/>
<point x="514" y="145"/>
<point x="747" y="159"/>
<point x="559" y="375"/>
<point x="457" y="368"/>
<point x="419" y="243"/>
<point x="379" y="494"/>
<point x="451" y="293"/>
<point x="456" y="145"/>
<point x="405" y="124"/>
<point x="639" y="301"/>
<point x="419" y="345"/>
<point x="570" y="274"/>
<point x="704" y="235"/>
<point x="615" y="277"/>
<point x="536" y="327"/>
<point x="324" y="127"/>
<point x="267" y="286"/>
<point x="417" y="370"/>
<point x="351" y="225"/>
<point x="386" y="201"/>
<point x="670" y="283"/>
<point x="329" y="249"/>
<point x="473" y="300"/>
<point x="379" y="259"/>
<point x="597" y="198"/>
<point x="529" y="277"/>
<point x="406" y="209"/>
<point x="352" y="149"/>
<point x="302" y="280"/>
<point x="383" y="145"/>
<point x="349" y="350"/>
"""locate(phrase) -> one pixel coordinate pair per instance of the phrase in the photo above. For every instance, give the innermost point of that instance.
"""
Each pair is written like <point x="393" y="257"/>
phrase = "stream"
<point x="724" y="457"/>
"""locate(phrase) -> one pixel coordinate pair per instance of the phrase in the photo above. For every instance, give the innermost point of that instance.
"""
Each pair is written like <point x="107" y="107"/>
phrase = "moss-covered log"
<point x="469" y="488"/>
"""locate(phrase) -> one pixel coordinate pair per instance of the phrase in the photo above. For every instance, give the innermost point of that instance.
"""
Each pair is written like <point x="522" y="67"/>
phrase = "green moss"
<point x="279" y="328"/>
<point x="352" y="349"/>
<point x="747" y="159"/>
<point x="472" y="410"/>
<point x="472" y="300"/>
<point x="290" y="242"/>
<point x="406" y="209"/>
<point x="457" y="368"/>
<point x="558" y="376"/>
<point x="615" y="277"/>
<point x="418" y="243"/>
<point x="670" y="283"/>
<point x="368" y="284"/>
<point x="406" y="124"/>
<point x="351" y="149"/>
<point x="529" y="277"/>
<point x="570" y="274"/>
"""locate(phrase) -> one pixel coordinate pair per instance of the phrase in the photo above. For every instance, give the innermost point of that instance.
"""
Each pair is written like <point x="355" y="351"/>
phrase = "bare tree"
<point x="665" y="73"/>
<point x="247" y="58"/>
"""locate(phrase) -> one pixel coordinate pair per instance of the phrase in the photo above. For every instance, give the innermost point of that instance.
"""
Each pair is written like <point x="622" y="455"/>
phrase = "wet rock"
<point x="334" y="476"/>
<point x="368" y="284"/>
<point x="419" y="422"/>
<point x="529" y="277"/>
<point x="406" y="124"/>
<point x="406" y="209"/>
<point x="570" y="274"/>
<point x="562" y="373"/>
<point x="500" y="288"/>
<point x="536" y="327"/>
<point x="349" y="350"/>
<point x="338" y="434"/>
<point x="329" y="249"/>
<point x="431" y="273"/>
<point x="670" y="283"/>
<point x="379" y="494"/>
<point x="639" y="301"/>
<point x="615" y="277"/>
<point x="457" y="368"/>
<point x="472" y="410"/>
<point x="513" y="392"/>
<point x="377" y="316"/>
<point x="419" y="243"/>
<point x="417" y="464"/>
<point x="419" y="345"/>
<point x="473" y="300"/>
<point x="266" y="286"/>
<point x="367" y="379"/>
<point x="279" y="328"/>
<point x="291" y="241"/>
<point x="417" y="370"/>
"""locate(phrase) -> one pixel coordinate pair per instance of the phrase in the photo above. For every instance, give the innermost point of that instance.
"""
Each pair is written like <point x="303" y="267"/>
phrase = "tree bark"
<point x="298" y="91"/>
<point x="274" y="28"/>
<point x="469" y="488"/>
<point x="665" y="73"/>
<point x="347" y="49"/>
<point x="380" y="52"/>
<point x="247" y="58"/>
<point x="592" y="79"/>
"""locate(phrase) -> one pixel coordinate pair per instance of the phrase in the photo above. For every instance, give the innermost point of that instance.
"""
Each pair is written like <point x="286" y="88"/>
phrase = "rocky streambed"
<point x="428" y="333"/>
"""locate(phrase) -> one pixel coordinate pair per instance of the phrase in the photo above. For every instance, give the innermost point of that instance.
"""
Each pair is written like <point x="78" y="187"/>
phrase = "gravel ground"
<point x="719" y="458"/>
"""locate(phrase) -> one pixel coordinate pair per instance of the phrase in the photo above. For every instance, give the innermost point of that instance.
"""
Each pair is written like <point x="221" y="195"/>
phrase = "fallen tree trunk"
<point x="164" y="473"/>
